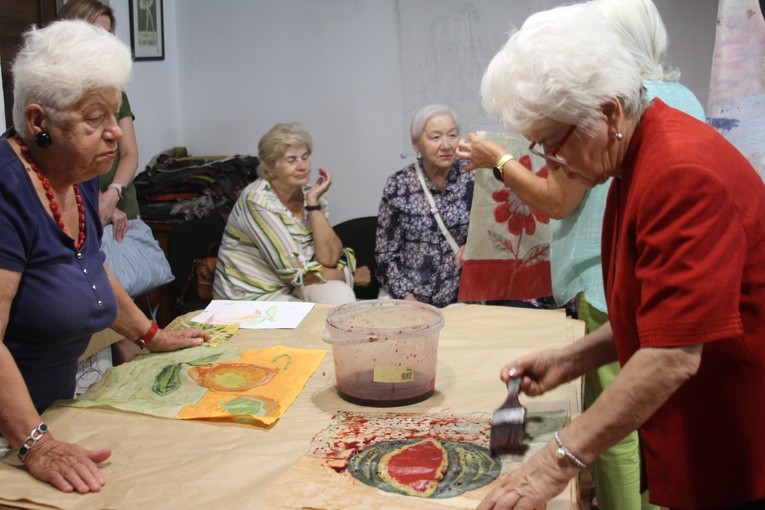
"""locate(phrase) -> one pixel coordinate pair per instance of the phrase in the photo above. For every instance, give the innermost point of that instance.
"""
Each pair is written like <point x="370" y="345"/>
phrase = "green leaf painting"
<point x="246" y="405"/>
<point x="169" y="378"/>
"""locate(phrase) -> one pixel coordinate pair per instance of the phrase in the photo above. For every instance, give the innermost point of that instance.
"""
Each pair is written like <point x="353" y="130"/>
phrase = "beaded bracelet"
<point x="564" y="453"/>
<point x="31" y="440"/>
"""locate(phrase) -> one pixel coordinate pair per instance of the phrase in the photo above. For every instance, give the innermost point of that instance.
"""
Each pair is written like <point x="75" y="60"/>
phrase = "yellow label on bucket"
<point x="393" y="374"/>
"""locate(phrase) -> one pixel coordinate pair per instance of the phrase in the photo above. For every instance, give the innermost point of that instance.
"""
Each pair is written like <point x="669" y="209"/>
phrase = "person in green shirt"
<point x="117" y="202"/>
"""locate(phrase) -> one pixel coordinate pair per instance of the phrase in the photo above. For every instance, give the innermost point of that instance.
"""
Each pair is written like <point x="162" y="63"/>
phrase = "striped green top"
<point x="264" y="247"/>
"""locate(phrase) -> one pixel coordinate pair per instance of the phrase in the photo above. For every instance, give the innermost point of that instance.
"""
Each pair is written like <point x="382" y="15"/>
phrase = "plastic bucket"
<point x="385" y="351"/>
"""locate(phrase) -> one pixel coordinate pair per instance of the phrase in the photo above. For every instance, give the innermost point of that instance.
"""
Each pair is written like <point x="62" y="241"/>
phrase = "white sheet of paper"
<point x="255" y="314"/>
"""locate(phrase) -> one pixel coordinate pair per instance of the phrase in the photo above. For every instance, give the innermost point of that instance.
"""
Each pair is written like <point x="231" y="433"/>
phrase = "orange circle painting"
<point x="231" y="376"/>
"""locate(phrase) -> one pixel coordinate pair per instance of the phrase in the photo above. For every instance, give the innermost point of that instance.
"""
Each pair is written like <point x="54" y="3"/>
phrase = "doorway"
<point x="16" y="16"/>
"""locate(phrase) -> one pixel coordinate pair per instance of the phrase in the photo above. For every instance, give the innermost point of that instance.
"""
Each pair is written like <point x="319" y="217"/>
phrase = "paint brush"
<point x="508" y="423"/>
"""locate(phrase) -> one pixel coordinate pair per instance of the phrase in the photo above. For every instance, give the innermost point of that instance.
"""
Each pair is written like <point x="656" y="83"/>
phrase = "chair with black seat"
<point x="359" y="234"/>
<point x="194" y="239"/>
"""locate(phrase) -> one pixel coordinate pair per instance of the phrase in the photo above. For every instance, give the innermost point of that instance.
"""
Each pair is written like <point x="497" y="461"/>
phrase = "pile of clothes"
<point x="179" y="187"/>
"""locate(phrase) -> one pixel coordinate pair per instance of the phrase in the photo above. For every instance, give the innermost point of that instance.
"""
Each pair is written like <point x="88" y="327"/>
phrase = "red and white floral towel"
<point x="507" y="255"/>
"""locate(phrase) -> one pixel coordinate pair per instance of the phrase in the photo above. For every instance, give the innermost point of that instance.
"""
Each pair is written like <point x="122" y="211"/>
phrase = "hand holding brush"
<point x="508" y="423"/>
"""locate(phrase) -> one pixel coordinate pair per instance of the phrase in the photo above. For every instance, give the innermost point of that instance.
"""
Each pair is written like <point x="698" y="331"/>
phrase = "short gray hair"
<point x="59" y="64"/>
<point x="426" y="113"/>
<point x="561" y="66"/>
<point x="274" y="144"/>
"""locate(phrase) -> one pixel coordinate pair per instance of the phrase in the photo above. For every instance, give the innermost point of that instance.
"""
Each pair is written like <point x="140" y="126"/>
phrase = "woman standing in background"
<point x="117" y="202"/>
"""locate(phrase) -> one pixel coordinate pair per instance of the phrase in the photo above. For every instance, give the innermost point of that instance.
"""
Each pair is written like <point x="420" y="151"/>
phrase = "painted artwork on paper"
<point x="424" y="468"/>
<point x="218" y="332"/>
<point x="507" y="255"/>
<point x="253" y="386"/>
<point x="736" y="106"/>
<point x="255" y="314"/>
<point x="438" y="460"/>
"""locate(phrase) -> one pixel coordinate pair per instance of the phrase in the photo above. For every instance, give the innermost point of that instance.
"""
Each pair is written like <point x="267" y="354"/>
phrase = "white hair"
<point x="426" y="113"/>
<point x="640" y="27"/>
<point x="561" y="66"/>
<point x="59" y="64"/>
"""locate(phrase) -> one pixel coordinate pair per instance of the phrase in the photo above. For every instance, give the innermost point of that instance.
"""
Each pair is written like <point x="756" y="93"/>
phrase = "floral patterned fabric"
<point x="507" y="256"/>
<point x="412" y="252"/>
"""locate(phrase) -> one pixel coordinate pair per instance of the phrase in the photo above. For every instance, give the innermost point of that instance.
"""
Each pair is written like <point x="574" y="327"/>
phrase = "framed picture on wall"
<point x="147" y="34"/>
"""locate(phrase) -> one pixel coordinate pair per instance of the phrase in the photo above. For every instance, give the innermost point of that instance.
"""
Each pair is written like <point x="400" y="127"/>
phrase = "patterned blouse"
<point x="262" y="245"/>
<point x="412" y="254"/>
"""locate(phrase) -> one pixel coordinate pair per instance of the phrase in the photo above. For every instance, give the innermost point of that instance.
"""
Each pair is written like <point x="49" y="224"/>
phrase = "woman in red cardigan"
<point x="683" y="264"/>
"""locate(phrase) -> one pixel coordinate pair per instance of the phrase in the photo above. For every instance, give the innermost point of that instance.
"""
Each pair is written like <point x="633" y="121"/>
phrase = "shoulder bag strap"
<point x="433" y="210"/>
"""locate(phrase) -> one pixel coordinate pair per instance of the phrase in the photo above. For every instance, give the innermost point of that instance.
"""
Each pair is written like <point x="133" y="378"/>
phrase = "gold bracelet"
<point x="499" y="173"/>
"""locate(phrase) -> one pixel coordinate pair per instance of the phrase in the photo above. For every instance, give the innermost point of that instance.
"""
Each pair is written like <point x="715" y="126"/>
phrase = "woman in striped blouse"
<point x="278" y="244"/>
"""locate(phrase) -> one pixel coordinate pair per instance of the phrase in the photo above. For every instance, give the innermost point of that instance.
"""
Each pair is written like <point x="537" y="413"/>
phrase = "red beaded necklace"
<point x="51" y="197"/>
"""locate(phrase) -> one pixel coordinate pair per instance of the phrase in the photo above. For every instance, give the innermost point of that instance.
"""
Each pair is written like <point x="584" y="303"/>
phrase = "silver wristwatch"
<point x="120" y="189"/>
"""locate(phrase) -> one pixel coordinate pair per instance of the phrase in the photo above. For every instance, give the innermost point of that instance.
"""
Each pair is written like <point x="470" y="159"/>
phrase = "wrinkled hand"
<point x="119" y="225"/>
<point x="327" y="274"/>
<point x="459" y="257"/>
<point x="540" y="371"/>
<point x="66" y="466"/>
<point x="107" y="204"/>
<point x="362" y="277"/>
<point x="533" y="484"/>
<point x="479" y="152"/>
<point x="175" y="339"/>
<point x="320" y="187"/>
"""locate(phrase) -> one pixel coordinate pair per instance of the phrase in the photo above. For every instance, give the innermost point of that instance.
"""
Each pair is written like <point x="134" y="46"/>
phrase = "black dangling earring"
<point x="43" y="139"/>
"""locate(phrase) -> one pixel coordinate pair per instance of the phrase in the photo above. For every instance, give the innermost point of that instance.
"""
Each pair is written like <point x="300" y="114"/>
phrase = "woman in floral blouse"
<point x="415" y="260"/>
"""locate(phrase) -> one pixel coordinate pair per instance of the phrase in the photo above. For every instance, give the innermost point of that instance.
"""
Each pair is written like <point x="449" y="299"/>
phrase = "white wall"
<point x="331" y="65"/>
<point x="233" y="68"/>
<point x="691" y="25"/>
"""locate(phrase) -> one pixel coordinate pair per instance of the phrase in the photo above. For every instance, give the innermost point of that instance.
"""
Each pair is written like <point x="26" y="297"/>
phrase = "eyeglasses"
<point x="552" y="155"/>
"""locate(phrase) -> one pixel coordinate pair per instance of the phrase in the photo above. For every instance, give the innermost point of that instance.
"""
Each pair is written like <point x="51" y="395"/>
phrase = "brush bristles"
<point x="511" y="415"/>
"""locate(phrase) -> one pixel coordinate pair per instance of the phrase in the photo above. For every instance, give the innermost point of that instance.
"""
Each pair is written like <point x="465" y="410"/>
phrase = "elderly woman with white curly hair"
<point x="55" y="291"/>
<point x="683" y="257"/>
<point x="575" y="261"/>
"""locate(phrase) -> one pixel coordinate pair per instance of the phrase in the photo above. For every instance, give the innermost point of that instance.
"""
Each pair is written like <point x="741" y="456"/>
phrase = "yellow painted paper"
<point x="254" y="386"/>
<point x="218" y="332"/>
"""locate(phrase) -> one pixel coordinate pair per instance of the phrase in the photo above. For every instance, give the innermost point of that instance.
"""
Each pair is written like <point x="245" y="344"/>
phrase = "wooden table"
<point x="159" y="463"/>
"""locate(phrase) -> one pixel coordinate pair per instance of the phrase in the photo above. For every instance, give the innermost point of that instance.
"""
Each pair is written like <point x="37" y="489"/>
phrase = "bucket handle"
<point x="327" y="337"/>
